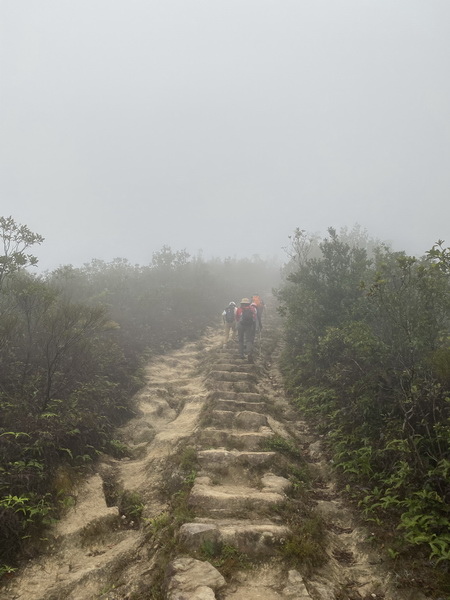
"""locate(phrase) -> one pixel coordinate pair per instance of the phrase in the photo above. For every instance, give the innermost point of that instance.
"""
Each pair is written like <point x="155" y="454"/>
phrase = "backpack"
<point x="229" y="314"/>
<point x="247" y="316"/>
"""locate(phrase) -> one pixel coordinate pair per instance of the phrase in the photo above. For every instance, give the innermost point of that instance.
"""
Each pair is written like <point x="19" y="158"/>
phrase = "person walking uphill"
<point x="246" y="325"/>
<point x="259" y="303"/>
<point x="229" y="319"/>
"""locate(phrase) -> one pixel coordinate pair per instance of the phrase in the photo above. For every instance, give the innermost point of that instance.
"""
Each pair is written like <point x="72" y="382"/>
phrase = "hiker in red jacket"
<point x="246" y="316"/>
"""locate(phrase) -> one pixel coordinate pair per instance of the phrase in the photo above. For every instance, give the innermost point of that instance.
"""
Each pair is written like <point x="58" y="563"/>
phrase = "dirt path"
<point x="246" y="507"/>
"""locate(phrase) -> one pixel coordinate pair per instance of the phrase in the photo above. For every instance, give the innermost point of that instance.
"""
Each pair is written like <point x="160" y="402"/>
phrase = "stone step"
<point x="237" y="406"/>
<point x="232" y="500"/>
<point x="238" y="367"/>
<point x="221" y="418"/>
<point x="152" y="384"/>
<point x="246" y="419"/>
<point x="233" y="376"/>
<point x="264" y="584"/>
<point x="232" y="352"/>
<point x="250" y="420"/>
<point x="231" y="395"/>
<point x="233" y="386"/>
<point x="220" y="438"/>
<point x="219" y="458"/>
<point x="252" y="537"/>
<point x="186" y="578"/>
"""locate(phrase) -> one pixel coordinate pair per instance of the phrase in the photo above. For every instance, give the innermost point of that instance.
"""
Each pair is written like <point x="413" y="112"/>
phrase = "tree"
<point x="16" y="239"/>
<point x="167" y="259"/>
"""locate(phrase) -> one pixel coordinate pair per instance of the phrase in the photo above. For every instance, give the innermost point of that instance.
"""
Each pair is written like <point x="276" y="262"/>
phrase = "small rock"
<point x="295" y="588"/>
<point x="274" y="483"/>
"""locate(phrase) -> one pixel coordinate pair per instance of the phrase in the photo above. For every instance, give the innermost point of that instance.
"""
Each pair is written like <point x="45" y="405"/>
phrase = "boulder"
<point x="191" y="579"/>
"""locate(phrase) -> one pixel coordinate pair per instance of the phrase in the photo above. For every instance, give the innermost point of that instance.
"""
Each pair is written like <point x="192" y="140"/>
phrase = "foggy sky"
<point x="222" y="126"/>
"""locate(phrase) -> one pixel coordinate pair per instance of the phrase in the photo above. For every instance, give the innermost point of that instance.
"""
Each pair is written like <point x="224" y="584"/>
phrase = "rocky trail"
<point x="221" y="503"/>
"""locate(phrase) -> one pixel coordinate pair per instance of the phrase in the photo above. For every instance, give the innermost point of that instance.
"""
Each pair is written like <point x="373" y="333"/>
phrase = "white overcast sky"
<point x="222" y="125"/>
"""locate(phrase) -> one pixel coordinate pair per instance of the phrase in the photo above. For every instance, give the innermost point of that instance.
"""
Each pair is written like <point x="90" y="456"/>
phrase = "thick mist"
<point x="221" y="127"/>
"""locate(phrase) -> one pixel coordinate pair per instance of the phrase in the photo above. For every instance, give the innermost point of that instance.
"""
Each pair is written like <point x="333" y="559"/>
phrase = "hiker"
<point x="229" y="319"/>
<point x="259" y="303"/>
<point x="246" y="316"/>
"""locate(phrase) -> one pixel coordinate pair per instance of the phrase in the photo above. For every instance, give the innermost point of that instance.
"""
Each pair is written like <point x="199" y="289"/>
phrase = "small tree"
<point x="16" y="239"/>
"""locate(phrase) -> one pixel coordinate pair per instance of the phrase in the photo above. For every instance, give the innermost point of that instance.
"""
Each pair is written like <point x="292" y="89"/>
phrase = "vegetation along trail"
<point x="224" y="493"/>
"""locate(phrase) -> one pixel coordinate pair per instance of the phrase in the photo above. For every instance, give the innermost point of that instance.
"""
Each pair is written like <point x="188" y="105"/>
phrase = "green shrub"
<point x="367" y="360"/>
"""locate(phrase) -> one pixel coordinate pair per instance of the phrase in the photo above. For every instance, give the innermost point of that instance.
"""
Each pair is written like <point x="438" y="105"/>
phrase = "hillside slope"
<point x="225" y="495"/>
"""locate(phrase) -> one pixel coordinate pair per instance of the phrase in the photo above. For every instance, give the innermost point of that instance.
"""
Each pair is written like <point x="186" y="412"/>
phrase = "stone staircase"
<point x="234" y="496"/>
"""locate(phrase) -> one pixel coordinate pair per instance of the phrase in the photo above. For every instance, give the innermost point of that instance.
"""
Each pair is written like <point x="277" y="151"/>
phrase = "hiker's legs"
<point x="259" y="312"/>
<point x="249" y="340"/>
<point x="233" y="330"/>
<point x="227" y="332"/>
<point x="241" y="333"/>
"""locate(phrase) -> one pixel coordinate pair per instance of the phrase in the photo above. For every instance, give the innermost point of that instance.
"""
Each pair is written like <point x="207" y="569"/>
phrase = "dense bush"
<point x="64" y="384"/>
<point x="368" y="358"/>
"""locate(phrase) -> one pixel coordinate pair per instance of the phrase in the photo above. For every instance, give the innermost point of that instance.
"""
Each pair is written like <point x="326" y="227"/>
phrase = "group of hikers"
<point x="246" y="320"/>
